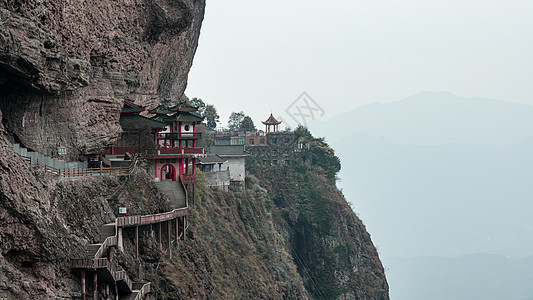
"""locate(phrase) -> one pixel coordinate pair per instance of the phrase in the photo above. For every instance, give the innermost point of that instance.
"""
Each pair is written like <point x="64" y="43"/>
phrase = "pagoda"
<point x="271" y="122"/>
<point x="177" y="152"/>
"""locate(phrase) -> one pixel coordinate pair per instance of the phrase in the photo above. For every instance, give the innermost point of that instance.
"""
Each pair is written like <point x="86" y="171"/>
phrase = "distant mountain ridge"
<point x="431" y="118"/>
<point x="441" y="175"/>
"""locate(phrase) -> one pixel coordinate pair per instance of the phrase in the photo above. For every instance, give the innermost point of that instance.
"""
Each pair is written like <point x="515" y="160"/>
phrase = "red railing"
<point x="182" y="151"/>
<point x="180" y="136"/>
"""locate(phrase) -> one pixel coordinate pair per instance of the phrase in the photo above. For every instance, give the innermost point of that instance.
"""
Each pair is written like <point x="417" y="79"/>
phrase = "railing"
<point x="187" y="178"/>
<point x="150" y="219"/>
<point x="123" y="276"/>
<point x="81" y="172"/>
<point x="108" y="242"/>
<point x="182" y="151"/>
<point x="143" y="288"/>
<point x="103" y="263"/>
<point x="90" y="263"/>
<point x="180" y="136"/>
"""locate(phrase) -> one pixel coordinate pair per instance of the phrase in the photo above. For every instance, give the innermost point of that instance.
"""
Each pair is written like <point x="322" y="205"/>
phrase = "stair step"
<point x="106" y="231"/>
<point x="92" y="249"/>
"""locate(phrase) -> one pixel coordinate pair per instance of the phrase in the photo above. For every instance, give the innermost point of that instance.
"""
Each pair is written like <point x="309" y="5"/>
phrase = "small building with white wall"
<point x="235" y="160"/>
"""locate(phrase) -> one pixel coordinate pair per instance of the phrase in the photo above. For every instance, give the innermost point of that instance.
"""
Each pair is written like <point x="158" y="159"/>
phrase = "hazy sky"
<point x="259" y="56"/>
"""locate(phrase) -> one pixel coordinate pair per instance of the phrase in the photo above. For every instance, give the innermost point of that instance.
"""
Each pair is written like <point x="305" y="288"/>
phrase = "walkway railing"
<point x="151" y="219"/>
<point x="80" y="172"/>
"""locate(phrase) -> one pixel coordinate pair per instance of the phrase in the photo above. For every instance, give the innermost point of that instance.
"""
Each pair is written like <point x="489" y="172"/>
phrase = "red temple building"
<point x="177" y="152"/>
<point x="171" y="149"/>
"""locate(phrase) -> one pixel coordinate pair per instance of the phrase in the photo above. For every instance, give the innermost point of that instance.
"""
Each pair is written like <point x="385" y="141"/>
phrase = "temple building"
<point x="168" y="140"/>
<point x="278" y="148"/>
<point x="176" y="154"/>
<point x="137" y="131"/>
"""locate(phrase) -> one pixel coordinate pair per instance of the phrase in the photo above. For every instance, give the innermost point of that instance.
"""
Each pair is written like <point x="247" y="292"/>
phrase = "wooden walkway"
<point x="104" y="268"/>
<point x="80" y="172"/>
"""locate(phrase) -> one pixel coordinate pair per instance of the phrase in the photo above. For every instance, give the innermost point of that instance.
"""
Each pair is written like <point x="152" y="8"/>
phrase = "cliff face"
<point x="327" y="241"/>
<point x="66" y="66"/>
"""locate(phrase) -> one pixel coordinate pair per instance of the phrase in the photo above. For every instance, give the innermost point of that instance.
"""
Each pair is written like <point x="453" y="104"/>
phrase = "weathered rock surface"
<point x="66" y="66"/>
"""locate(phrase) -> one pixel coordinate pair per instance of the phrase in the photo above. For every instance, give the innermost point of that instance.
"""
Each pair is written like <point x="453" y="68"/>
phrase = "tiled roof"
<point x="271" y="121"/>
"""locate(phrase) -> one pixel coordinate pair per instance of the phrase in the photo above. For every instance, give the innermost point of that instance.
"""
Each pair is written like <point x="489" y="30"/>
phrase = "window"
<point x="262" y="141"/>
<point x="251" y="141"/>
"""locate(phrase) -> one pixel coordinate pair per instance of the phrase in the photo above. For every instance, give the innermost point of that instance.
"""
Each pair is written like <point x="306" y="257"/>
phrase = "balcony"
<point x="182" y="151"/>
<point x="180" y="136"/>
<point x="176" y="153"/>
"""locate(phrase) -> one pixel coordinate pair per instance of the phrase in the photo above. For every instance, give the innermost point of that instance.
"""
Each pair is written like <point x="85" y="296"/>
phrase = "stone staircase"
<point x="174" y="191"/>
<point x="106" y="268"/>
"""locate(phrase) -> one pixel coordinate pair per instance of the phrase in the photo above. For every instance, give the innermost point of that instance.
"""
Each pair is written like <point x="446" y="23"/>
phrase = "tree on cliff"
<point x="240" y="121"/>
<point x="323" y="155"/>
<point x="211" y="116"/>
<point x="198" y="103"/>
<point x="247" y="124"/>
<point x="235" y="120"/>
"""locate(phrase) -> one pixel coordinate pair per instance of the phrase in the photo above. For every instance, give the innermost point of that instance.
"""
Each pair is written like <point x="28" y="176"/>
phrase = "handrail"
<point x="108" y="242"/>
<point x="151" y="219"/>
<point x="180" y="135"/>
<point x="145" y="289"/>
<point x="80" y="172"/>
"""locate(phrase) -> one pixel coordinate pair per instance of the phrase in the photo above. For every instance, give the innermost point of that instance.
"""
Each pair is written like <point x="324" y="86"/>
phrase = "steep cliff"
<point x="66" y="66"/>
<point x="290" y="239"/>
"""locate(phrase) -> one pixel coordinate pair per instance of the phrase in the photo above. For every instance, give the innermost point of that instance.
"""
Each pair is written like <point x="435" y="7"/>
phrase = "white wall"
<point x="236" y="167"/>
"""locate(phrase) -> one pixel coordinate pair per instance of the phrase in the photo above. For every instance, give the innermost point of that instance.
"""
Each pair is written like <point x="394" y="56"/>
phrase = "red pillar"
<point x="110" y="255"/>
<point x="169" y="229"/>
<point x="183" y="232"/>
<point x="95" y="286"/>
<point x="83" y="285"/>
<point x="177" y="231"/>
<point x="136" y="241"/>
<point x="159" y="236"/>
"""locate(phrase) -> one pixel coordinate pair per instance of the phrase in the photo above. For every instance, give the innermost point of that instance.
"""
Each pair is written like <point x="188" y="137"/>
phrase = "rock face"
<point x="66" y="66"/>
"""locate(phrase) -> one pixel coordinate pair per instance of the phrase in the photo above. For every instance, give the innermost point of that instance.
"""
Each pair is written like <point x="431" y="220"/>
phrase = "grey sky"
<point x="258" y="56"/>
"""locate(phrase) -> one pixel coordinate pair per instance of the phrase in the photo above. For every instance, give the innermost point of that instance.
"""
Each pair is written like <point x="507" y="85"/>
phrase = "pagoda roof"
<point x="271" y="121"/>
<point x="130" y="107"/>
<point x="188" y="117"/>
<point x="183" y="107"/>
<point x="135" y="122"/>
<point x="160" y="110"/>
<point x="164" y="118"/>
